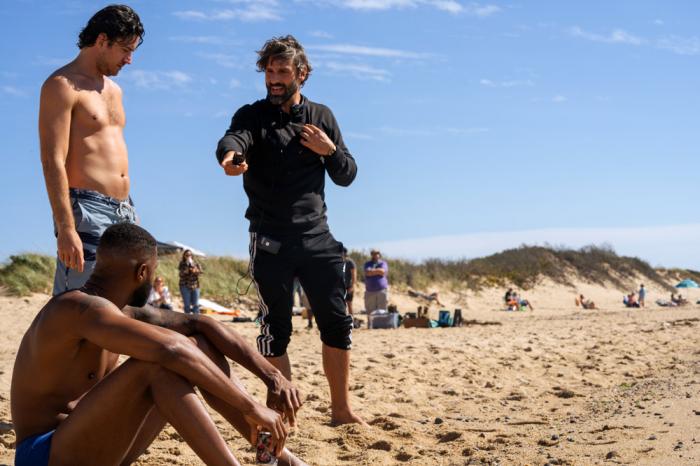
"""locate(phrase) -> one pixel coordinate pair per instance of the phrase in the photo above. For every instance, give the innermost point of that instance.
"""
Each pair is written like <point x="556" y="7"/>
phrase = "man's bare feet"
<point x="288" y="459"/>
<point x="346" y="417"/>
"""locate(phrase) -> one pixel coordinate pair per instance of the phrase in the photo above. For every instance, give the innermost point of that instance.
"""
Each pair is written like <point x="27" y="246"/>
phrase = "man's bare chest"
<point x="96" y="110"/>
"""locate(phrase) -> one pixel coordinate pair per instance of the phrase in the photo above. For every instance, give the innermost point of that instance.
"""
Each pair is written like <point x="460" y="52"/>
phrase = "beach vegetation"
<point x="225" y="279"/>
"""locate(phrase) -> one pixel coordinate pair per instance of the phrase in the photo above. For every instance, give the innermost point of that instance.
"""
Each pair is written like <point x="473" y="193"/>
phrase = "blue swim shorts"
<point x="93" y="213"/>
<point x="34" y="450"/>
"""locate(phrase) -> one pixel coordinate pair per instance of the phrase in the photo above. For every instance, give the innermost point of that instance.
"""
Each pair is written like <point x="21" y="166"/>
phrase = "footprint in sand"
<point x="381" y="445"/>
<point x="384" y="423"/>
<point x="448" y="436"/>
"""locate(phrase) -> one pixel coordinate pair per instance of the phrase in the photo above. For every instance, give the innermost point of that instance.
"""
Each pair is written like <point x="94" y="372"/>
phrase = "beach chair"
<point x="444" y="318"/>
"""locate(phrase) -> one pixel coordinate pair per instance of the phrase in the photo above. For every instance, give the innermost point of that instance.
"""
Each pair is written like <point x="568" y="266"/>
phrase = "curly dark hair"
<point x="117" y="22"/>
<point x="127" y="240"/>
<point x="285" y="48"/>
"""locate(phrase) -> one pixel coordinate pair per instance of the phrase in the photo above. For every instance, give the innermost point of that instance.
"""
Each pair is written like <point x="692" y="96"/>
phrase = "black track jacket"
<point x="285" y="181"/>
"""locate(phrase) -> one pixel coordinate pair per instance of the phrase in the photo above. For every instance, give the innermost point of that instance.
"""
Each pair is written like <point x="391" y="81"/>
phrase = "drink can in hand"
<point x="263" y="450"/>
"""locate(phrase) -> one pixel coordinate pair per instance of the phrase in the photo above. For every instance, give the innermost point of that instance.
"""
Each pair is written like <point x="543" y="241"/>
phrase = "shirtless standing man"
<point x="72" y="405"/>
<point x="83" y="153"/>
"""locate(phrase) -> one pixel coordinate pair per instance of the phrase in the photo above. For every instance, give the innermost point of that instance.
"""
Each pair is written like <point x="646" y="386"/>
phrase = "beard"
<point x="139" y="298"/>
<point x="105" y="68"/>
<point x="289" y="91"/>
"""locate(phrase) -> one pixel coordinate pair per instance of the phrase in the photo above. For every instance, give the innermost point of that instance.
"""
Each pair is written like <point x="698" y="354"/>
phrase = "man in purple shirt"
<point x="376" y="282"/>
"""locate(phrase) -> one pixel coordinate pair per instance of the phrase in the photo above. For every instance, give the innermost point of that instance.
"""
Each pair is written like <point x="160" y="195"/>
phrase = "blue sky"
<point x="475" y="126"/>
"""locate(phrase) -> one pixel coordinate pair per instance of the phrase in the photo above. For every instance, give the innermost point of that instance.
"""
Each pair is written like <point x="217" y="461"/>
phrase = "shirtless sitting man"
<point x="71" y="403"/>
<point x="83" y="153"/>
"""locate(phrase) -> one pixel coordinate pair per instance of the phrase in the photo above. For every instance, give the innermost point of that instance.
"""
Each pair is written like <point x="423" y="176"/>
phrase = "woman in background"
<point x="190" y="271"/>
<point x="160" y="295"/>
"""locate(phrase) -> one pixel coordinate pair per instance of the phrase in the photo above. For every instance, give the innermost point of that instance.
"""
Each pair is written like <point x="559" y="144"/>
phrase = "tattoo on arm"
<point x="175" y="321"/>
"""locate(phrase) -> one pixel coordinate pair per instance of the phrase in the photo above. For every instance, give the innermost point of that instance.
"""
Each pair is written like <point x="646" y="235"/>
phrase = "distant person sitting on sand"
<point x="630" y="300"/>
<point x="525" y="303"/>
<point x="72" y="403"/>
<point x="585" y="303"/>
<point x="160" y="295"/>
<point x="516" y="303"/>
<point x="506" y="298"/>
<point x="427" y="296"/>
<point x="680" y="300"/>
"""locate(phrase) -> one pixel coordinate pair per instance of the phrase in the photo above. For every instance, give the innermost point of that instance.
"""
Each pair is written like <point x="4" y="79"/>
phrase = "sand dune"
<point x="555" y="386"/>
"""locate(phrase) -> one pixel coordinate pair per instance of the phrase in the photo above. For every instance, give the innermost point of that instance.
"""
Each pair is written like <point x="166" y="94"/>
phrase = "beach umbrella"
<point x="687" y="284"/>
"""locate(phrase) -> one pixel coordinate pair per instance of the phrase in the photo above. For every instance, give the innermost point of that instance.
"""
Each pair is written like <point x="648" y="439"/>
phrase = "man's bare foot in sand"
<point x="346" y="417"/>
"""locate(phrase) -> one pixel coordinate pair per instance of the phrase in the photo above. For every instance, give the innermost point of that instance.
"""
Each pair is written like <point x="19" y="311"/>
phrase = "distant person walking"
<point x="642" y="294"/>
<point x="190" y="271"/>
<point x="376" y="282"/>
<point x="350" y="273"/>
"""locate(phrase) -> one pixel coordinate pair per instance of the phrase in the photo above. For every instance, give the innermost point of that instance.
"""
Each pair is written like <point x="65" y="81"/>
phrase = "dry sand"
<point x="558" y="385"/>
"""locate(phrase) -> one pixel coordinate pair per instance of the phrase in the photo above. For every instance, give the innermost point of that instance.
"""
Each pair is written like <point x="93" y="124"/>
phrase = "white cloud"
<point x="680" y="45"/>
<point x="158" y="80"/>
<point x="450" y="6"/>
<point x="670" y="245"/>
<point x="13" y="91"/>
<point x="376" y="4"/>
<point x="558" y="99"/>
<point x="361" y="136"/>
<point x="225" y="60"/>
<point x="506" y="84"/>
<point x="482" y="11"/>
<point x="659" y="22"/>
<point x="234" y="83"/>
<point x="198" y="39"/>
<point x="250" y="12"/>
<point x="321" y="34"/>
<point x="617" y="36"/>
<point x="357" y="70"/>
<point x="361" y="50"/>
<point x="676" y="44"/>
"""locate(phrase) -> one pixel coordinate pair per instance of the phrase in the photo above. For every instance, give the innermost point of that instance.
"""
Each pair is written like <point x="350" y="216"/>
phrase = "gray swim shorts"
<point x="93" y="213"/>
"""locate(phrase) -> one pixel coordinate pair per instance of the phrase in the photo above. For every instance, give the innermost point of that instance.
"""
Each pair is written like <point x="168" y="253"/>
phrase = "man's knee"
<point x="339" y="334"/>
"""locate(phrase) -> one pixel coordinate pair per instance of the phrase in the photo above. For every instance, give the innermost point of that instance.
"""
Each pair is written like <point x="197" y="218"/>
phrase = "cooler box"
<point x="388" y="320"/>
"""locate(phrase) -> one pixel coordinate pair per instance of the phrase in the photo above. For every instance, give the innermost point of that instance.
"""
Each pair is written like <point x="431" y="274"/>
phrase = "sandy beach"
<point x="556" y="386"/>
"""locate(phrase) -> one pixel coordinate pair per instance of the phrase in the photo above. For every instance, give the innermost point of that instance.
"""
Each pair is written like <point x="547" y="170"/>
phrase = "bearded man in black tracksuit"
<point x="283" y="146"/>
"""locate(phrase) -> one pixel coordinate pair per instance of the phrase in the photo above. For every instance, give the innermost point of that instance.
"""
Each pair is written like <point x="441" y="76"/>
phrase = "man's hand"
<point x="70" y="249"/>
<point x="230" y="168"/>
<point x="315" y="139"/>
<point x="265" y="419"/>
<point x="284" y="397"/>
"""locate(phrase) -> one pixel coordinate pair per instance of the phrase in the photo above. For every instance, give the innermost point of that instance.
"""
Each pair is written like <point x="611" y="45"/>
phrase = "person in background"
<point x="376" y="282"/>
<point x="190" y="271"/>
<point x="642" y="294"/>
<point x="160" y="295"/>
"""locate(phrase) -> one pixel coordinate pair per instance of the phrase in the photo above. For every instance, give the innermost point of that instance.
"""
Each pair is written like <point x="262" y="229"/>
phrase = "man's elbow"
<point x="173" y="349"/>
